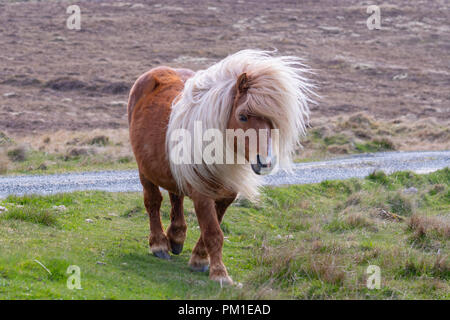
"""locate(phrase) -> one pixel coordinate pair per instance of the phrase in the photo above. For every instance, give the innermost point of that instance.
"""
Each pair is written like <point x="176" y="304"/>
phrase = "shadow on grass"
<point x="147" y="264"/>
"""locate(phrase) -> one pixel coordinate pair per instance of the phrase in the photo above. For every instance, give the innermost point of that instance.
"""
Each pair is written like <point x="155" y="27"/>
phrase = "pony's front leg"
<point x="199" y="259"/>
<point x="212" y="236"/>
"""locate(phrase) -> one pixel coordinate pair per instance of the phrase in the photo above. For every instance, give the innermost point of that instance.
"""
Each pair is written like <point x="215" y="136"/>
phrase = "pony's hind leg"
<point x="159" y="244"/>
<point x="177" y="229"/>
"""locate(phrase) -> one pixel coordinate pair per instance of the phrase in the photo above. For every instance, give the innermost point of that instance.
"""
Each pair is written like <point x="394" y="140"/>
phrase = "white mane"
<point x="277" y="91"/>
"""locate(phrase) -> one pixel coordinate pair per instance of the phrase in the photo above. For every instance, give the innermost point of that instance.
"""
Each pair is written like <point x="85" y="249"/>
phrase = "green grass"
<point x="32" y="214"/>
<point x="300" y="242"/>
<point x="376" y="145"/>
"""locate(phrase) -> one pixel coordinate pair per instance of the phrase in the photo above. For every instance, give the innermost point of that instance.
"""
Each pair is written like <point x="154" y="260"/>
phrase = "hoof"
<point x="199" y="268"/>
<point x="162" y="254"/>
<point x="176" y="248"/>
<point x="224" y="281"/>
<point x="199" y="264"/>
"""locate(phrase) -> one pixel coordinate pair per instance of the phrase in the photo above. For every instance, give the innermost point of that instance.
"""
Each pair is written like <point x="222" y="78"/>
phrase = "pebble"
<point x="362" y="66"/>
<point x="59" y="38"/>
<point x="290" y="236"/>
<point x="410" y="190"/>
<point x="400" y="76"/>
<point x="137" y="5"/>
<point x="118" y="103"/>
<point x="333" y="30"/>
<point x="9" y="94"/>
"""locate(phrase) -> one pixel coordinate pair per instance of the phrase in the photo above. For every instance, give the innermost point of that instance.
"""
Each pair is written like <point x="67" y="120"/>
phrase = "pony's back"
<point x="149" y="108"/>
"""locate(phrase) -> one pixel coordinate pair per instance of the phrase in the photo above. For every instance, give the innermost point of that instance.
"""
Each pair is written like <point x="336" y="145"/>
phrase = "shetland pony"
<point x="248" y="90"/>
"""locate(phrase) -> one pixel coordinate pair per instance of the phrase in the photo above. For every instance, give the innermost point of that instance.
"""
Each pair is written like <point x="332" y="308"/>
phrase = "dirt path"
<point x="337" y="169"/>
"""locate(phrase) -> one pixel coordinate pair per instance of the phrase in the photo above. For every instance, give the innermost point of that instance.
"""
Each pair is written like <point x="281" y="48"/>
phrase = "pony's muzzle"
<point x="263" y="165"/>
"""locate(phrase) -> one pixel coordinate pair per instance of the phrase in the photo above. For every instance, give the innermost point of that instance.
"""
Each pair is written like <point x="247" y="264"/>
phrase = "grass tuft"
<point x="17" y="154"/>
<point x="376" y="145"/>
<point x="350" y="221"/>
<point x="31" y="214"/>
<point x="401" y="204"/>
<point x="430" y="227"/>
<point x="5" y="140"/>
<point x="419" y="267"/>
<point x="100" y="140"/>
<point x="378" y="176"/>
<point x="4" y="162"/>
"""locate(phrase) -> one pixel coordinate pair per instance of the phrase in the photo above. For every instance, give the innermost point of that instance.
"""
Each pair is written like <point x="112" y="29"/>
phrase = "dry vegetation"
<point x="66" y="150"/>
<point x="427" y="229"/>
<point x="360" y="132"/>
<point x="110" y="148"/>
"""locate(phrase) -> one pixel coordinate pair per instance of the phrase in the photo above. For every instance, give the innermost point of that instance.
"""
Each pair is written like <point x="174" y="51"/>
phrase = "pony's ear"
<point x="243" y="83"/>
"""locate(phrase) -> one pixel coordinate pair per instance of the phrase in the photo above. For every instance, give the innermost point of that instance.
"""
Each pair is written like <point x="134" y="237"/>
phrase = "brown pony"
<point x="249" y="90"/>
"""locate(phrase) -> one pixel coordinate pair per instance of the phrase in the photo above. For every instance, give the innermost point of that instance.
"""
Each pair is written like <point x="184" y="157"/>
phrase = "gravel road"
<point x="357" y="166"/>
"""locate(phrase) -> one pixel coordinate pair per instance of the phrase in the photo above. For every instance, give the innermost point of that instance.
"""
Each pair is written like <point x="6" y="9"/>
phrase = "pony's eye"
<point x="243" y="118"/>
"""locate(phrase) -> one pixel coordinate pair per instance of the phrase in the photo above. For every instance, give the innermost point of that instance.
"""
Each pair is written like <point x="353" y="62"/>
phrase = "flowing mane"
<point x="278" y="91"/>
